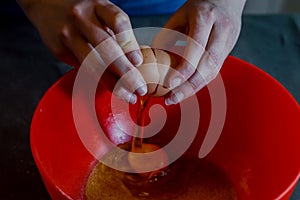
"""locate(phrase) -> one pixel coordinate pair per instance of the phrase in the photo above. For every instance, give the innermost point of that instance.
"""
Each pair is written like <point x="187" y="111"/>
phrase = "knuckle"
<point x="65" y="33"/>
<point x="118" y="91"/>
<point x="207" y="16"/>
<point x="214" y="59"/>
<point x="76" y="11"/>
<point x="188" y="70"/>
<point x="207" y="71"/>
<point x="200" y="43"/>
<point x="97" y="38"/>
<point x="196" y="82"/>
<point x="212" y="71"/>
<point x="129" y="45"/>
<point x="121" y="19"/>
<point x="226" y="23"/>
<point x="106" y="45"/>
<point x="204" y="13"/>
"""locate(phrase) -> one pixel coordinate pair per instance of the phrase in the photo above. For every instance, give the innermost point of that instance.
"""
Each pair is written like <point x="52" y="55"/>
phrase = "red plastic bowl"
<point x="258" y="148"/>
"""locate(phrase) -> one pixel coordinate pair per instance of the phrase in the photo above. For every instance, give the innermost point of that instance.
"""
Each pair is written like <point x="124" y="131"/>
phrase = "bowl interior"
<point x="258" y="148"/>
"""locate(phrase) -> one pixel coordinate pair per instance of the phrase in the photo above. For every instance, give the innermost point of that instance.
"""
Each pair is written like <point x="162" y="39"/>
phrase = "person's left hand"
<point x="213" y="28"/>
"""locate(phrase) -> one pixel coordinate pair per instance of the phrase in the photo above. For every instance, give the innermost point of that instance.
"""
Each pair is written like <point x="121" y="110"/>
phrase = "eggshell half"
<point x="164" y="62"/>
<point x="155" y="66"/>
<point x="149" y="69"/>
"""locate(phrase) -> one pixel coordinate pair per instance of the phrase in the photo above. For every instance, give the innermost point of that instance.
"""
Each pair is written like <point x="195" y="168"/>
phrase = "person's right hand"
<point x="72" y="28"/>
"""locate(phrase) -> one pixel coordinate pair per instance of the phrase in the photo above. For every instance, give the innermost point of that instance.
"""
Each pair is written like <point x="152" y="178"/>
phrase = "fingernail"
<point x="168" y="101"/>
<point x="174" y="99"/>
<point x="136" y="58"/>
<point x="132" y="99"/>
<point x="175" y="82"/>
<point x="142" y="90"/>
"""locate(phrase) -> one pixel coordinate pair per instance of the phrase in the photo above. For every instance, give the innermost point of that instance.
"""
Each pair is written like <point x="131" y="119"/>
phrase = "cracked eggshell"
<point x="164" y="62"/>
<point x="155" y="66"/>
<point x="149" y="69"/>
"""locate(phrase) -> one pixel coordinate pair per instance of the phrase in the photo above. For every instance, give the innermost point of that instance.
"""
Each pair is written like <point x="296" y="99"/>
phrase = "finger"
<point x="200" y="30"/>
<point x="122" y="66"/>
<point x="208" y="68"/>
<point x="97" y="34"/>
<point x="220" y="42"/>
<point x="218" y="48"/>
<point x="110" y="81"/>
<point x="124" y="95"/>
<point x="111" y="53"/>
<point x="131" y="77"/>
<point x="119" y="22"/>
<point x="82" y="49"/>
<point x="187" y="89"/>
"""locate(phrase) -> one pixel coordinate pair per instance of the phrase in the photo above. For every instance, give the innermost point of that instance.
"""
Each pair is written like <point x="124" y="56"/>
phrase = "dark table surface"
<point x="271" y="42"/>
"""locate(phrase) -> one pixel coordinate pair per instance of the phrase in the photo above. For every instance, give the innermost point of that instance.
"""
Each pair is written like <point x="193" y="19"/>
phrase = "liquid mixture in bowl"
<point x="186" y="178"/>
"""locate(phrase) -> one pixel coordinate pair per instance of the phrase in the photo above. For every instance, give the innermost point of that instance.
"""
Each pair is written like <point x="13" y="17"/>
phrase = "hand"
<point x="214" y="27"/>
<point x="72" y="28"/>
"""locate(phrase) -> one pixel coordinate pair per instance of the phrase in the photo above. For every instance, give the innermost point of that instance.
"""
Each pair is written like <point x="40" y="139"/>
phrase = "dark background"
<point x="28" y="69"/>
